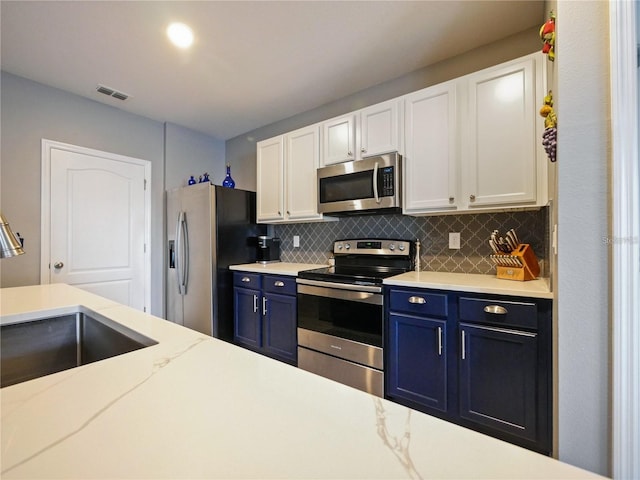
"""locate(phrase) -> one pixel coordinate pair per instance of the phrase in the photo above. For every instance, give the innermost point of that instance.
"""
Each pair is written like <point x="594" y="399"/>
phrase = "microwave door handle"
<point x="375" y="182"/>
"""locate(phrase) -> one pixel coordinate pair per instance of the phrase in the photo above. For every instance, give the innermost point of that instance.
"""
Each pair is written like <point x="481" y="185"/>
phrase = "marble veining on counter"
<point x="275" y="268"/>
<point x="193" y="406"/>
<point x="471" y="282"/>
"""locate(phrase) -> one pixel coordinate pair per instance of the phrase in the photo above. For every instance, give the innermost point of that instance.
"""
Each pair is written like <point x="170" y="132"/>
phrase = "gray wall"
<point x="241" y="150"/>
<point x="583" y="222"/>
<point x="192" y="153"/>
<point x="32" y="111"/>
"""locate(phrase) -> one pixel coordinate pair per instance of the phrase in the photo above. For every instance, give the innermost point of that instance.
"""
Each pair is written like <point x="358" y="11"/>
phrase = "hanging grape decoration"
<point x="550" y="135"/>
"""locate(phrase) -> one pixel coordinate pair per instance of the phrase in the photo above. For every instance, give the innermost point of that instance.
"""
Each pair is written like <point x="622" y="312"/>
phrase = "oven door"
<point x="345" y="321"/>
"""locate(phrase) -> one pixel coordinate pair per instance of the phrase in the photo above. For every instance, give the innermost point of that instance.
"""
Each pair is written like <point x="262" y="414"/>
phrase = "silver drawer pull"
<point x="418" y="300"/>
<point x="246" y="279"/>
<point x="278" y="284"/>
<point x="497" y="309"/>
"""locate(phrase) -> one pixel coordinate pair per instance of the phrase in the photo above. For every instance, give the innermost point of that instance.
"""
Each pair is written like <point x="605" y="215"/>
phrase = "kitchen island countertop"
<point x="196" y="407"/>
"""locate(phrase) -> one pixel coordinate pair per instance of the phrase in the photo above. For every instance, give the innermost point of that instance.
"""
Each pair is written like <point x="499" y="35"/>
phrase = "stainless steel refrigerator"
<point x="208" y="228"/>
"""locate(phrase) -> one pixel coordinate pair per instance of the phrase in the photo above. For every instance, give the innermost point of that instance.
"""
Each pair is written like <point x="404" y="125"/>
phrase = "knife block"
<point x="529" y="270"/>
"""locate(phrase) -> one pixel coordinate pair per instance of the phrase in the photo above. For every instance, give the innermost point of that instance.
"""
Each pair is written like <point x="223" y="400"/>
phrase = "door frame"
<point x="45" y="211"/>
<point x="624" y="240"/>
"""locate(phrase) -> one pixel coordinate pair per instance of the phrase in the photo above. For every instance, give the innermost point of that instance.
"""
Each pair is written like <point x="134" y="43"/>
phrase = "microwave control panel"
<point x="387" y="179"/>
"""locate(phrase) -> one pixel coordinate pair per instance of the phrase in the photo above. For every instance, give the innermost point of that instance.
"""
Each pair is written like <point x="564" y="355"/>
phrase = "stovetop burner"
<point x="365" y="261"/>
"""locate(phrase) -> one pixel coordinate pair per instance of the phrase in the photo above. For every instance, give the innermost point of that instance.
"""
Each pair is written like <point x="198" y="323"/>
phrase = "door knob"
<point x="58" y="265"/>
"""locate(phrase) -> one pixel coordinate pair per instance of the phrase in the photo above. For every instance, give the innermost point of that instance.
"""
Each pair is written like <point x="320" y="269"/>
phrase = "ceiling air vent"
<point x="112" y="93"/>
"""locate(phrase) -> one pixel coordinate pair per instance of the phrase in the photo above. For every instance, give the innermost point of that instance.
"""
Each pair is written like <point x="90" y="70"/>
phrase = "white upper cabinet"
<point x="287" y="190"/>
<point x="380" y="129"/>
<point x="302" y="161"/>
<point x="371" y="131"/>
<point x="339" y="139"/>
<point x="475" y="143"/>
<point x="501" y="143"/>
<point x="270" y="180"/>
<point x="431" y="141"/>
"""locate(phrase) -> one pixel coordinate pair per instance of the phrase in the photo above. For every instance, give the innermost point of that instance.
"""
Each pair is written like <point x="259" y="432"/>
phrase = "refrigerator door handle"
<point x="185" y="246"/>
<point x="178" y="258"/>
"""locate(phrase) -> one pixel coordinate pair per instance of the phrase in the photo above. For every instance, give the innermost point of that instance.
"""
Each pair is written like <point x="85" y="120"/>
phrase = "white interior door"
<point x="98" y="226"/>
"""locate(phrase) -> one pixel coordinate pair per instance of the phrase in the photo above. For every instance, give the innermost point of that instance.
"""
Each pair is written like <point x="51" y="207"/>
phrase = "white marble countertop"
<point x="461" y="282"/>
<point x="196" y="407"/>
<point x="276" y="268"/>
<point x="469" y="282"/>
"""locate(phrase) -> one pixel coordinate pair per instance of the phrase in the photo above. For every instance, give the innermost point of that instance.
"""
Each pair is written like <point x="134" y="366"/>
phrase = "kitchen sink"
<point x="44" y="346"/>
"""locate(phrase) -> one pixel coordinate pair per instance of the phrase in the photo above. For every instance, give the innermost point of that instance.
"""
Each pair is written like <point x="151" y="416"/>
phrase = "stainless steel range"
<point x="341" y="311"/>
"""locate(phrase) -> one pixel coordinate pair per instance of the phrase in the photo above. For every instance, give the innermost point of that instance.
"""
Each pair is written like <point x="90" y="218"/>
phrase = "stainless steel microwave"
<point x="371" y="185"/>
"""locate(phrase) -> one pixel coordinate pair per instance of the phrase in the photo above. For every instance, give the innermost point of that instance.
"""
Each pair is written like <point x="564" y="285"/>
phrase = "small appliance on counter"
<point x="268" y="249"/>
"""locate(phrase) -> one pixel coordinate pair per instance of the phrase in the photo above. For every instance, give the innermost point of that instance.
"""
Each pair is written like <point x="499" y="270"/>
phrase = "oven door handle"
<point x="343" y="286"/>
<point x="338" y="293"/>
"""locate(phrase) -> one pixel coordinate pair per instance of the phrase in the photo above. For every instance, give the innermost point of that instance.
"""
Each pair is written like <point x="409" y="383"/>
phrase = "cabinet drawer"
<point x="246" y="280"/>
<point x="500" y="312"/>
<point x="283" y="285"/>
<point x="418" y="302"/>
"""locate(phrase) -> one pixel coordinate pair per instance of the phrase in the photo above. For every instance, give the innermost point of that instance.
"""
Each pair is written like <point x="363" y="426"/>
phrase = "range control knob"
<point x="401" y="247"/>
<point x="347" y="246"/>
<point x="339" y="246"/>
<point x="392" y="247"/>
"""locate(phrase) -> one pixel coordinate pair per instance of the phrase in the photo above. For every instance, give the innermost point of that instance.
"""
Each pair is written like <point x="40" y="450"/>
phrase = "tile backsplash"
<point x="316" y="239"/>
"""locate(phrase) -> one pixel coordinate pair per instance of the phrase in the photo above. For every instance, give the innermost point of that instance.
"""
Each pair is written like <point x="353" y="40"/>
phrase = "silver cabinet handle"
<point x="363" y="150"/>
<point x="464" y="353"/>
<point x="58" y="265"/>
<point x="497" y="309"/>
<point x="264" y="305"/>
<point x="278" y="284"/>
<point x="472" y="198"/>
<point x="418" y="300"/>
<point x="350" y="153"/>
<point x="440" y="341"/>
<point x="255" y="303"/>
<point x="246" y="279"/>
<point x="451" y="199"/>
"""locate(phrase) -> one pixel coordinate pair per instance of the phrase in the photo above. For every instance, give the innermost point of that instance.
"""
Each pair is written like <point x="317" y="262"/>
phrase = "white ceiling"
<point x="253" y="62"/>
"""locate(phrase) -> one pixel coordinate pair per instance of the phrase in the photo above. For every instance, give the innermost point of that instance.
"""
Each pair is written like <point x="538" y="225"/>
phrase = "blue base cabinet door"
<point x="417" y="361"/>
<point x="280" y="327"/>
<point x="498" y="379"/>
<point x="247" y="318"/>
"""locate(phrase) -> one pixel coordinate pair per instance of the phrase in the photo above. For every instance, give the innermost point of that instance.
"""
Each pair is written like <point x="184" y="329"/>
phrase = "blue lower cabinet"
<point x="498" y="379"/>
<point x="481" y="361"/>
<point x="265" y="317"/>
<point x="417" y="361"/>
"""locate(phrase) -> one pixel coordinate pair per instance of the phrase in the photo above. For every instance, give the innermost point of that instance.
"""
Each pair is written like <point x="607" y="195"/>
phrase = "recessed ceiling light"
<point x="180" y="35"/>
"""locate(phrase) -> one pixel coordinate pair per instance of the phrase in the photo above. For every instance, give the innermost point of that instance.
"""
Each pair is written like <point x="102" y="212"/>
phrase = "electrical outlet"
<point x="296" y="241"/>
<point x="454" y="240"/>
